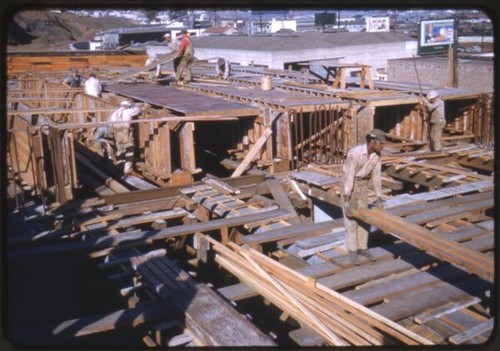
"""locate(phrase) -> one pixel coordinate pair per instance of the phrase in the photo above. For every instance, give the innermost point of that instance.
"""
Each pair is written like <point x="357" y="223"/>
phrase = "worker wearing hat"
<point x="437" y="120"/>
<point x="361" y="165"/>
<point x="186" y="58"/>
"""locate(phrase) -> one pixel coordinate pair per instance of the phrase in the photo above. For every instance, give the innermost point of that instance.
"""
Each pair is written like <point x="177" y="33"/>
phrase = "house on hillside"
<point x="113" y="38"/>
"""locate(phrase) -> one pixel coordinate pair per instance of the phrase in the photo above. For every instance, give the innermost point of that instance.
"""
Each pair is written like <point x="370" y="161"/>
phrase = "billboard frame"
<point x="435" y="36"/>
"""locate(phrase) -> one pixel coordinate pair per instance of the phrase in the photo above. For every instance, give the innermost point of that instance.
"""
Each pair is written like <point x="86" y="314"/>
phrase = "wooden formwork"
<point x="25" y="62"/>
<point x="413" y="293"/>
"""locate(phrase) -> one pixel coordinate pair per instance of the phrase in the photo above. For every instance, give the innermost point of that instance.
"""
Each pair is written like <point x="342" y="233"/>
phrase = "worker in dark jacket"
<point x="74" y="80"/>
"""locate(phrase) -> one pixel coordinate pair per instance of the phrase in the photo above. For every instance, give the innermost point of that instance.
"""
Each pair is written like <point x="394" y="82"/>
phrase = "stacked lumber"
<point x="337" y="319"/>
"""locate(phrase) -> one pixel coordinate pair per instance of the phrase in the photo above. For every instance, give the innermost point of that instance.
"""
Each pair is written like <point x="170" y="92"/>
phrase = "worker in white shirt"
<point x="361" y="165"/>
<point x="122" y="133"/>
<point x="93" y="86"/>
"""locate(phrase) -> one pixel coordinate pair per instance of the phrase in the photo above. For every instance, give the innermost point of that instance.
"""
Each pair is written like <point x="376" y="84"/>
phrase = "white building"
<point x="281" y="50"/>
<point x="277" y="25"/>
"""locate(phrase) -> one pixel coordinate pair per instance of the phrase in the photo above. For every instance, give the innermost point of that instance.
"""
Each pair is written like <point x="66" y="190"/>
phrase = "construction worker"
<point x="222" y="68"/>
<point x="74" y="80"/>
<point x="173" y="46"/>
<point x="362" y="164"/>
<point x="123" y="134"/>
<point x="186" y="56"/>
<point x="437" y="119"/>
<point x="152" y="58"/>
<point x="93" y="85"/>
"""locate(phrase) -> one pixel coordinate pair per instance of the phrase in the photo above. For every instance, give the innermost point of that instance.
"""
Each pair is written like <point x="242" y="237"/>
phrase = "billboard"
<point x="436" y="36"/>
<point x="377" y="24"/>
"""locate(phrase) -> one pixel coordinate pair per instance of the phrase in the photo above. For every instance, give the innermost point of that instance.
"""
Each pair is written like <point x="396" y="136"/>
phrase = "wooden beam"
<point x="282" y="200"/>
<point x="139" y="237"/>
<point x="252" y="153"/>
<point x="143" y="313"/>
<point x="450" y="251"/>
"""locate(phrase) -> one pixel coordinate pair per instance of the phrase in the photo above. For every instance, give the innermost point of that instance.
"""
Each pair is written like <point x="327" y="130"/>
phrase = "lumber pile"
<point x="337" y="319"/>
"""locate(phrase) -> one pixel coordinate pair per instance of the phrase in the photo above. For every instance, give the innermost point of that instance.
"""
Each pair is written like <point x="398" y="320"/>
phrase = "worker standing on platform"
<point x="362" y="164"/>
<point x="437" y="119"/>
<point x="186" y="56"/>
<point x="173" y="46"/>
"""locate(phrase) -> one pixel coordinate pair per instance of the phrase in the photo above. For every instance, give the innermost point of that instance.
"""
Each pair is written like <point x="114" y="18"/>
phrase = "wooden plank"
<point x="288" y="232"/>
<point x="422" y="206"/>
<point x="460" y="255"/>
<point x="209" y="317"/>
<point x="241" y="291"/>
<point x="204" y="312"/>
<point x="450" y="307"/>
<point x="141" y="237"/>
<point x="320" y="180"/>
<point x="357" y="275"/>
<point x="306" y="337"/>
<point x="108" y="181"/>
<point x="169" y="214"/>
<point x="481" y="328"/>
<point x="293" y="282"/>
<point x="400" y="286"/>
<point x="462" y="234"/>
<point x="380" y="253"/>
<point x="435" y="218"/>
<point x="322" y="243"/>
<point x="173" y="190"/>
<point x="429" y="297"/>
<point x="252" y="153"/>
<point x="164" y="59"/>
<point x="127" y="318"/>
<point x="237" y="292"/>
<point x="282" y="199"/>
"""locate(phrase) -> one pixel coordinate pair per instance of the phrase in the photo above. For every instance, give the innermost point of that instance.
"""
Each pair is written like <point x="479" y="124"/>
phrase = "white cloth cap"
<point x="432" y="94"/>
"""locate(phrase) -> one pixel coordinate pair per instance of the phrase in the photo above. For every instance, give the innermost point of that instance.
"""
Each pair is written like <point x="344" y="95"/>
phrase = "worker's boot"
<point x="353" y="257"/>
<point x="367" y="254"/>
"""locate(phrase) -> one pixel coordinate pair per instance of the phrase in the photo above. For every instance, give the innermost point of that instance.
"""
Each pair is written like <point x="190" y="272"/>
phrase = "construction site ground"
<point x="253" y="258"/>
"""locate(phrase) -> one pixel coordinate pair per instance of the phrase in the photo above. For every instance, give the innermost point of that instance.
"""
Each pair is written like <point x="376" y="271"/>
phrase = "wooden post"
<point x="187" y="147"/>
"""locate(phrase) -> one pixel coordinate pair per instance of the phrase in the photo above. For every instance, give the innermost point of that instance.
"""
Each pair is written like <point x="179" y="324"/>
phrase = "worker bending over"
<point x="121" y="133"/>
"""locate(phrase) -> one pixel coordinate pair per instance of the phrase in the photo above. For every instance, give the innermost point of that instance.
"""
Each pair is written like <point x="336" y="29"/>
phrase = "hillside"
<point x="45" y="30"/>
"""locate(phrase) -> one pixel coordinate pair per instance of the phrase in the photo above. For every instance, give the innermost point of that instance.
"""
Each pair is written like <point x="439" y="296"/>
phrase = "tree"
<point x="324" y="19"/>
<point x="151" y="15"/>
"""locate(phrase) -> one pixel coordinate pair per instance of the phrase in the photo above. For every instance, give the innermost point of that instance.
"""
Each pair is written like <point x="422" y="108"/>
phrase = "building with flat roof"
<point x="280" y="50"/>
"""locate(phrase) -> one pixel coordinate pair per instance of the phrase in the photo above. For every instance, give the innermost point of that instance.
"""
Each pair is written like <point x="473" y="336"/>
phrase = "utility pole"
<point x="455" y="53"/>
<point x="453" y="58"/>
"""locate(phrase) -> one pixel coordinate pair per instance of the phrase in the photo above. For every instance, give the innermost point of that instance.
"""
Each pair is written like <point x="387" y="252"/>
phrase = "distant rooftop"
<point x="297" y="40"/>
